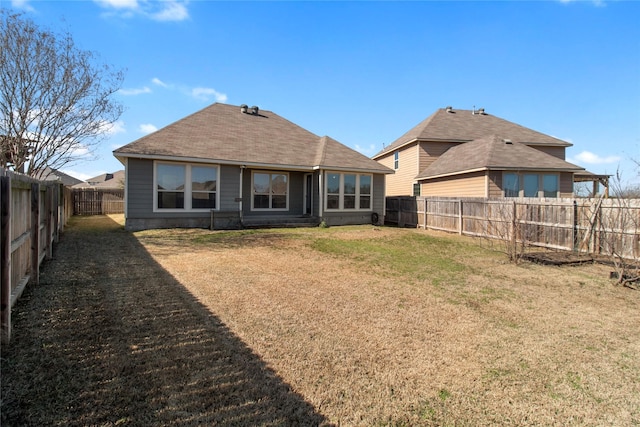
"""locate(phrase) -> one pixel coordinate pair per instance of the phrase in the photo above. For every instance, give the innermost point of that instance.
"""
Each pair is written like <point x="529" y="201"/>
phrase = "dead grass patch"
<point x="348" y="325"/>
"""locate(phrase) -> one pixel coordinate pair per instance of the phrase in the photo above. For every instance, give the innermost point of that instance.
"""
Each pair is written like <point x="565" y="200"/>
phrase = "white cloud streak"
<point x="136" y="91"/>
<point x="206" y="94"/>
<point x="147" y="128"/>
<point x="593" y="159"/>
<point x="161" y="11"/>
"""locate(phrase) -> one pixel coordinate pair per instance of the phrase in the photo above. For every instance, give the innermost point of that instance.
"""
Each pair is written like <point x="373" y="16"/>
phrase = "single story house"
<point x="109" y="180"/>
<point x="229" y="166"/>
<point x="469" y="153"/>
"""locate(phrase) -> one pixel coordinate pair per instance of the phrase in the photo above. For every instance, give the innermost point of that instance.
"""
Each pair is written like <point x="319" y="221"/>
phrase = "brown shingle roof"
<point x="463" y="126"/>
<point x="222" y="133"/>
<point x="494" y="153"/>
<point x="105" y="180"/>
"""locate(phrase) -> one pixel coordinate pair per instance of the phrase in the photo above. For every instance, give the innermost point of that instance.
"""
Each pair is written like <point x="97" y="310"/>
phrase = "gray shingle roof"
<point x="222" y="133"/>
<point x="463" y="126"/>
<point x="494" y="153"/>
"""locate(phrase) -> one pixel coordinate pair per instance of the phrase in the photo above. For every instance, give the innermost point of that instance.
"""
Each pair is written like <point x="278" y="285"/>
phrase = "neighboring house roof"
<point x="106" y="180"/>
<point x="222" y="133"/>
<point x="448" y="124"/>
<point x="50" y="174"/>
<point x="494" y="153"/>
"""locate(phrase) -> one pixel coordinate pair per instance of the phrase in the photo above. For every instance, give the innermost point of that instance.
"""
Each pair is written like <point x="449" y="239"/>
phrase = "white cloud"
<point x="162" y="11"/>
<point x="118" y="4"/>
<point x="22" y="4"/>
<point x="137" y="91"/>
<point x="593" y="159"/>
<point x="367" y="151"/>
<point x="79" y="175"/>
<point x="112" y="128"/>
<point x="205" y="94"/>
<point x="172" y="11"/>
<point x="147" y="128"/>
<point x="157" y="81"/>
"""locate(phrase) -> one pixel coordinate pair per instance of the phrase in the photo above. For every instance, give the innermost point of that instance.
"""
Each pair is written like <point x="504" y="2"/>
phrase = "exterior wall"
<point x="566" y="184"/>
<point x="140" y="214"/>
<point x="429" y="151"/>
<point x="495" y="184"/>
<point x="139" y="211"/>
<point x="468" y="185"/>
<point x="296" y="194"/>
<point x="401" y="182"/>
<point x="365" y="216"/>
<point x="558" y="152"/>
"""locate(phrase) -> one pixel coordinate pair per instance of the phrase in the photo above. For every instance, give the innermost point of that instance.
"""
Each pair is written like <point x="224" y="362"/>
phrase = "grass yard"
<point x="340" y="326"/>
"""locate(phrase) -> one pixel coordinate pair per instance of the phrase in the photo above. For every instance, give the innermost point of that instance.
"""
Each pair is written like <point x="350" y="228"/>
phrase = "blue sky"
<point x="366" y="72"/>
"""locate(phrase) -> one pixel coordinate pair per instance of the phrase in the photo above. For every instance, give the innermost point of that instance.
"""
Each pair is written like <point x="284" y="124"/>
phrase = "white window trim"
<point x="187" y="187"/>
<point x="254" y="209"/>
<point x="341" y="207"/>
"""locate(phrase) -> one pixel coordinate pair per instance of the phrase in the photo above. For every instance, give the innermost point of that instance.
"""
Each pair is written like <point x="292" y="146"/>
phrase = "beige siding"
<point x="495" y="184"/>
<point x="429" y="151"/>
<point x="558" y="152"/>
<point x="401" y="182"/>
<point x="566" y="184"/>
<point x="469" y="185"/>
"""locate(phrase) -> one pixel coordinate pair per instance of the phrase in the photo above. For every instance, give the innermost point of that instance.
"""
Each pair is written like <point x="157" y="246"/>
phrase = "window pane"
<point x="278" y="202"/>
<point x="349" y="184"/>
<point x="349" y="202"/>
<point x="365" y="202"/>
<point x="170" y="200"/>
<point x="203" y="200"/>
<point x="203" y="178"/>
<point x="333" y="202"/>
<point x="260" y="201"/>
<point x="550" y="185"/>
<point x="261" y="183"/>
<point x="170" y="177"/>
<point x="511" y="185"/>
<point x="333" y="183"/>
<point x="416" y="189"/>
<point x="279" y="184"/>
<point x="365" y="184"/>
<point x="530" y="185"/>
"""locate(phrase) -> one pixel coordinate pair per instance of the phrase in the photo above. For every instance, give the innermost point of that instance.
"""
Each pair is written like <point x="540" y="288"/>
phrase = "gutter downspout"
<point x="320" y="193"/>
<point x="242" y="168"/>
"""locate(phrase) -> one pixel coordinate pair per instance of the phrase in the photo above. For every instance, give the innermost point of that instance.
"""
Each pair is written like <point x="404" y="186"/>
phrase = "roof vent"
<point x="508" y="141"/>
<point x="481" y="111"/>
<point x="243" y="108"/>
<point x="254" y="110"/>
<point x="449" y="109"/>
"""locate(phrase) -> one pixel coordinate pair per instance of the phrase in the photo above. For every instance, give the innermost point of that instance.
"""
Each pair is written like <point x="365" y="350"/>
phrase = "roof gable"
<point x="222" y="133"/>
<point x="494" y="153"/>
<point x="466" y="125"/>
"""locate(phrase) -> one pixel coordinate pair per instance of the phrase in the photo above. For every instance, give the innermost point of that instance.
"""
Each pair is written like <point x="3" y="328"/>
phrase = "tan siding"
<point x="495" y="184"/>
<point x="429" y="151"/>
<point x="469" y="185"/>
<point x="566" y="184"/>
<point x="401" y="182"/>
<point x="558" y="152"/>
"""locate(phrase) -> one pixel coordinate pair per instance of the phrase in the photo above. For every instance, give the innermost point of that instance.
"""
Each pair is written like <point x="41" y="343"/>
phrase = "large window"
<point x="270" y="191"/>
<point x="346" y="191"/>
<point x="533" y="185"/>
<point x="185" y="187"/>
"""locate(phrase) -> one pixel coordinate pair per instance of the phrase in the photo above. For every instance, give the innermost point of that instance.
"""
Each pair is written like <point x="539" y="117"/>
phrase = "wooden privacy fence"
<point x="98" y="201"/>
<point x="32" y="215"/>
<point x="597" y="226"/>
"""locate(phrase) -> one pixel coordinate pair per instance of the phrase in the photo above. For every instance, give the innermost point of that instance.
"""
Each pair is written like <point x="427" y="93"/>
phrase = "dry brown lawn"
<point x="340" y="326"/>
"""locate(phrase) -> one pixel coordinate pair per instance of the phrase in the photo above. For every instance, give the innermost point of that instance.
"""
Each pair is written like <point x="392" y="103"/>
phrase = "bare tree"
<point x="55" y="101"/>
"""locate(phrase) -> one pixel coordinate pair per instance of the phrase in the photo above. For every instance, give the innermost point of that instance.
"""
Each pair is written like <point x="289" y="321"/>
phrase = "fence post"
<point x="575" y="225"/>
<point x="48" y="220"/>
<point x="425" y="213"/>
<point x="460" y="217"/>
<point x="35" y="233"/>
<point x="514" y="239"/>
<point x="5" y="257"/>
